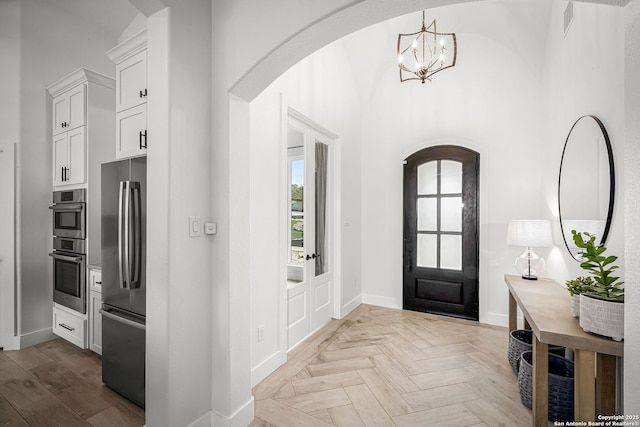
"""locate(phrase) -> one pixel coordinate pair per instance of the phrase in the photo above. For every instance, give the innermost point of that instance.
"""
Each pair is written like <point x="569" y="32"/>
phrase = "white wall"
<point x="9" y="72"/>
<point x="631" y="195"/>
<point x="179" y="289"/>
<point x="578" y="82"/>
<point x="321" y="87"/>
<point x="489" y="102"/>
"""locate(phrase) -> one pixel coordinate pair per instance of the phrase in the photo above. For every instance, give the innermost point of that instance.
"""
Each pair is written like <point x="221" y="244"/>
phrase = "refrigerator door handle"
<point x="127" y="234"/>
<point x="110" y="315"/>
<point x="123" y="235"/>
<point x="137" y="236"/>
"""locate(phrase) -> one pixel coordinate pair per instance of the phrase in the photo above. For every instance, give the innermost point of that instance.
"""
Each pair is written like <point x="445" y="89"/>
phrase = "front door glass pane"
<point x="451" y="175"/>
<point x="451" y="252"/>
<point x="451" y="214"/>
<point x="428" y="214"/>
<point x="427" y="250"/>
<point x="428" y="178"/>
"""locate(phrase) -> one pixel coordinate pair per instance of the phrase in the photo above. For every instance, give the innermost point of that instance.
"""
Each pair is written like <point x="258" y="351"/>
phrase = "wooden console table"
<point x="545" y="305"/>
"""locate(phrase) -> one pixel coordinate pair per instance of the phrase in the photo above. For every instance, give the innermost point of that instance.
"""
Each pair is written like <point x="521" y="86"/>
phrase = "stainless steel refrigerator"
<point x="123" y="200"/>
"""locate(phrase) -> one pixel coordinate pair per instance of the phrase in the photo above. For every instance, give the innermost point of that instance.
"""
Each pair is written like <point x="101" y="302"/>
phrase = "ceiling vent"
<point x="568" y="17"/>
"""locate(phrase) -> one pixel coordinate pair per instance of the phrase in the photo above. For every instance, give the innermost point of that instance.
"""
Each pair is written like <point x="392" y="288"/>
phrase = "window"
<point x="296" y="211"/>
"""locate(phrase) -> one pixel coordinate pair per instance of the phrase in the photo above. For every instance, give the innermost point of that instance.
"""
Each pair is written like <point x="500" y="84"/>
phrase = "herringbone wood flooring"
<point x="385" y="367"/>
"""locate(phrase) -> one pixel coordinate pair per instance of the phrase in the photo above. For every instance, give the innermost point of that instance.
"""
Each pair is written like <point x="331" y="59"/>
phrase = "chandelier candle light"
<point x="422" y="54"/>
<point x="530" y="233"/>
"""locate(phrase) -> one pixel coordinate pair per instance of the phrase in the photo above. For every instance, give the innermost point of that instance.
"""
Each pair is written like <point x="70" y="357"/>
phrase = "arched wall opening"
<point x="525" y="144"/>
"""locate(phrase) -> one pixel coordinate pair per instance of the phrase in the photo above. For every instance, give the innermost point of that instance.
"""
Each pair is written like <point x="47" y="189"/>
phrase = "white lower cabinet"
<point x="95" y="303"/>
<point x="95" y="329"/>
<point x="70" y="326"/>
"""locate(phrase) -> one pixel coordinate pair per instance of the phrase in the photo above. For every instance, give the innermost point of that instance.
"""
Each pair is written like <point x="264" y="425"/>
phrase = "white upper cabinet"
<point x="130" y="58"/>
<point x="69" y="109"/>
<point x="82" y="110"/>
<point x="131" y="81"/>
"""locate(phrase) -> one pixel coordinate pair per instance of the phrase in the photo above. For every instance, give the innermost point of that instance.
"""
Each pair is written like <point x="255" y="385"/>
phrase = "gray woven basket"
<point x="521" y="340"/>
<point x="560" y="385"/>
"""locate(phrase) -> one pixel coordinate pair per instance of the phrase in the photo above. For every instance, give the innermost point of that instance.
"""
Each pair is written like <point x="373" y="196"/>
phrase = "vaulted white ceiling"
<point x="521" y="27"/>
<point x="111" y="17"/>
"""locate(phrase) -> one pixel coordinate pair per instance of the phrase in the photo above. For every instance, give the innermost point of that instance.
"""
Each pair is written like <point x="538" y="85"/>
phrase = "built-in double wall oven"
<point x="69" y="249"/>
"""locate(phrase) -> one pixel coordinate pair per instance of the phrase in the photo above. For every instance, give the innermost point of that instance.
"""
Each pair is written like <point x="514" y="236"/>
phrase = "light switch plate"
<point x="195" y="228"/>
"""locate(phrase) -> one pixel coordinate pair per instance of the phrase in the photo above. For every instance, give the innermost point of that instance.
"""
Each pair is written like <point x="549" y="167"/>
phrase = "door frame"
<point x="9" y="294"/>
<point x="485" y="315"/>
<point x="334" y="215"/>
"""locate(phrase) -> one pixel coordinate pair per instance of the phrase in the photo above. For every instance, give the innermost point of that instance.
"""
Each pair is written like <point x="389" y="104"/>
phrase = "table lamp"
<point x="530" y="233"/>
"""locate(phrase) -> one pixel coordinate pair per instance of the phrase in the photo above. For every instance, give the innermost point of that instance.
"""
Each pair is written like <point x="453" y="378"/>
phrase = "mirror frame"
<point x="612" y="182"/>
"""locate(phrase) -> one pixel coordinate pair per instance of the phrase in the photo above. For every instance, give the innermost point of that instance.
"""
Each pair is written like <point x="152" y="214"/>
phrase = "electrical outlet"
<point x="260" y="333"/>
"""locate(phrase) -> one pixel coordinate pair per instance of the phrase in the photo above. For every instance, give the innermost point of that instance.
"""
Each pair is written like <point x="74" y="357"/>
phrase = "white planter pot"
<point x="575" y="305"/>
<point x="602" y="317"/>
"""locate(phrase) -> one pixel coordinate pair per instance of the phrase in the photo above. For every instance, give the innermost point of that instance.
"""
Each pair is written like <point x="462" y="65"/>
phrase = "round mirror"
<point x="587" y="182"/>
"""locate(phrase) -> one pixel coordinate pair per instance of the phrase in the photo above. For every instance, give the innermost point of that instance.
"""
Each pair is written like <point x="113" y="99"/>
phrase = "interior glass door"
<point x="309" y="299"/>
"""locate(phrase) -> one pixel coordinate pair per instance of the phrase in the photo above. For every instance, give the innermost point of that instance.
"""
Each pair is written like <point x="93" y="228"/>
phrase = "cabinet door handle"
<point x="143" y="134"/>
<point x="143" y="93"/>
<point x="68" y="328"/>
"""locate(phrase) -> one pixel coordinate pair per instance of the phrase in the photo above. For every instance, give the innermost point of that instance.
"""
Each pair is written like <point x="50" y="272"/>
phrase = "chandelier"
<point x="422" y="54"/>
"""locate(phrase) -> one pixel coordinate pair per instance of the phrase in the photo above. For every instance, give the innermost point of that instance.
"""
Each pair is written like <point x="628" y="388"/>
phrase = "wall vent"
<point x="568" y="17"/>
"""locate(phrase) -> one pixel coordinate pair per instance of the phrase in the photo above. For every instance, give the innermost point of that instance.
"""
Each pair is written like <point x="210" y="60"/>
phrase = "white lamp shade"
<point x="530" y="233"/>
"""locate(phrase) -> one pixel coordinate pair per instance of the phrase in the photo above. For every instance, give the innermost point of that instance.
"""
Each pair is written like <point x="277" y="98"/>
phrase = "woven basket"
<point x="560" y="385"/>
<point x="602" y="317"/>
<point x="521" y="340"/>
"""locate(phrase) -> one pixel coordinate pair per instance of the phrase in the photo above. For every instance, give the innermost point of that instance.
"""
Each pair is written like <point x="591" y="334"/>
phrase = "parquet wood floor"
<point x="57" y="384"/>
<point x="385" y="367"/>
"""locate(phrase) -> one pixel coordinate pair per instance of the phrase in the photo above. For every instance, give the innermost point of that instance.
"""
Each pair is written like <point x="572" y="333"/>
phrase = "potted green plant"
<point x="577" y="287"/>
<point x="602" y="306"/>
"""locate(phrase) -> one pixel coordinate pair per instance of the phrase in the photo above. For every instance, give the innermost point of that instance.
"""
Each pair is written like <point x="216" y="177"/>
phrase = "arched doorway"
<point x="441" y="242"/>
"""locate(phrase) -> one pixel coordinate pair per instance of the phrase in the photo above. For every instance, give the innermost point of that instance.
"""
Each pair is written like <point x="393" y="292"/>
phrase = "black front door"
<point x="441" y="231"/>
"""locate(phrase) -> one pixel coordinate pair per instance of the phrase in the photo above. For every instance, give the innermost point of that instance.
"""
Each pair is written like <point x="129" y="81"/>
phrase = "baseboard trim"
<point x="203" y="421"/>
<point x="240" y="418"/>
<point x="351" y="305"/>
<point x="36" y="337"/>
<point x="381" y="301"/>
<point x="499" y="319"/>
<point x="266" y="367"/>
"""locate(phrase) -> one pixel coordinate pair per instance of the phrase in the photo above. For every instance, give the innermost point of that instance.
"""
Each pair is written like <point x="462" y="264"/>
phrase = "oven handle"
<point x="67" y="207"/>
<point x="75" y="259"/>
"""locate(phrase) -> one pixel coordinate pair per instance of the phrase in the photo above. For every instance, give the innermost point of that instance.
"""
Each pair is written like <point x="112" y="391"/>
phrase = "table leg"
<point x="584" y="385"/>
<point x="526" y="324"/>
<point x="513" y="313"/>
<point x="540" y="382"/>
<point x="605" y="384"/>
